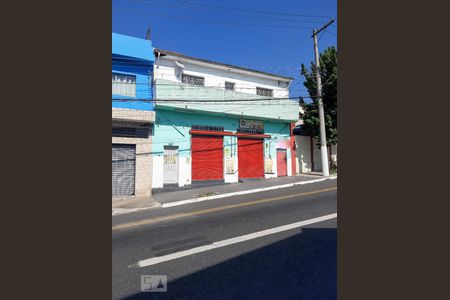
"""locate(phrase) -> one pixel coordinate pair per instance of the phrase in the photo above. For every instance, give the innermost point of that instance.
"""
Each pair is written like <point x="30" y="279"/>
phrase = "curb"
<point x="121" y="211"/>
<point x="275" y="187"/>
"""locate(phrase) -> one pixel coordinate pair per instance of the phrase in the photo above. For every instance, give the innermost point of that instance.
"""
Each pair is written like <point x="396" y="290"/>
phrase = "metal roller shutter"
<point x="207" y="157"/>
<point x="123" y="169"/>
<point x="250" y="158"/>
<point x="281" y="162"/>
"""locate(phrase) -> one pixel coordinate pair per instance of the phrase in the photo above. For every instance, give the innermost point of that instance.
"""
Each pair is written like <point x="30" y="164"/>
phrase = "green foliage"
<point x="328" y="73"/>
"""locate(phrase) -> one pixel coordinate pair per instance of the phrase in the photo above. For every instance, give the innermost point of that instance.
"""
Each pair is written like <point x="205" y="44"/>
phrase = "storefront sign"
<point x="230" y="165"/>
<point x="251" y="124"/>
<point x="268" y="166"/>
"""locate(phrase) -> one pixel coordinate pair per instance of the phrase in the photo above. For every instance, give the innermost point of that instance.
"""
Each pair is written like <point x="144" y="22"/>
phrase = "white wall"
<point x="303" y="151"/>
<point x="167" y="69"/>
<point x="184" y="170"/>
<point x="158" y="169"/>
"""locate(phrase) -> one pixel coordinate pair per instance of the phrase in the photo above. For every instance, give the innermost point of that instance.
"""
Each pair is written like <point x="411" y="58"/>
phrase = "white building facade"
<point x="218" y="122"/>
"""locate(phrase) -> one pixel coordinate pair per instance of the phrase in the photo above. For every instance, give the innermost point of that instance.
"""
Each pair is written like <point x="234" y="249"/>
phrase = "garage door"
<point x="281" y="162"/>
<point x="207" y="157"/>
<point x="123" y="169"/>
<point x="250" y="158"/>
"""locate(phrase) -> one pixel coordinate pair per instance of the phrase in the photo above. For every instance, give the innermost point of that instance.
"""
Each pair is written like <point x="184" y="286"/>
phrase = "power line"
<point x="251" y="10"/>
<point x="203" y="100"/>
<point x="220" y="101"/>
<point x="128" y="60"/>
<point x="179" y="86"/>
<point x="207" y="20"/>
<point x="222" y="13"/>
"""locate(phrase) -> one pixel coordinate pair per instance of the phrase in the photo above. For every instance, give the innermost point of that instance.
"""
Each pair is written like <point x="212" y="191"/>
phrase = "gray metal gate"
<point x="123" y="169"/>
<point x="170" y="165"/>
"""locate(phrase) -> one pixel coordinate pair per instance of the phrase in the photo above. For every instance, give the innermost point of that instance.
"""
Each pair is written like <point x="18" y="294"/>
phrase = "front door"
<point x="207" y="157"/>
<point x="170" y="165"/>
<point x="282" y="162"/>
<point x="250" y="158"/>
<point x="123" y="169"/>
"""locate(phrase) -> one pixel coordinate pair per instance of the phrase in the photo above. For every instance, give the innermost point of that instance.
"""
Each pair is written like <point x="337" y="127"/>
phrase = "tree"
<point x="328" y="73"/>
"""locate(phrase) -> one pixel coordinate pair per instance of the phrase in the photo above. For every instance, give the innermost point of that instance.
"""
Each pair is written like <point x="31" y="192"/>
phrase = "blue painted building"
<point x="132" y="72"/>
<point x="133" y="116"/>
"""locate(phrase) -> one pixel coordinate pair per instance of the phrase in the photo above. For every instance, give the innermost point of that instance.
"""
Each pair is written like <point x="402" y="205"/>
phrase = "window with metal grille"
<point x="193" y="80"/>
<point x="133" y="132"/>
<point x="264" y="92"/>
<point x="123" y="85"/>
<point x="229" y="85"/>
<point x="208" y="128"/>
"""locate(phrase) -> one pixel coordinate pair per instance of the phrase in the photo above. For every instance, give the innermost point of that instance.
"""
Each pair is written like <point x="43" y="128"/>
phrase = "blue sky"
<point x="274" y="47"/>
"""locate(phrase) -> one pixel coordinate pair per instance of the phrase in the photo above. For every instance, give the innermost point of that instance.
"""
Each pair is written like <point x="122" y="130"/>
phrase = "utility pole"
<point x="323" y="137"/>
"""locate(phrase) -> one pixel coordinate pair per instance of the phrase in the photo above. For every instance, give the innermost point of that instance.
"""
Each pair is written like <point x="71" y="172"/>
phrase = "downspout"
<point x="293" y="152"/>
<point x="154" y="77"/>
<point x="157" y="60"/>
<point x="289" y="84"/>
<point x="312" y="152"/>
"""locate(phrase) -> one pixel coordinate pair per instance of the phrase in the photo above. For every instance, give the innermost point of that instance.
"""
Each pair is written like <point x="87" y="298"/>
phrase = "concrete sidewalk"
<point x="250" y="184"/>
<point x="125" y="204"/>
<point x="194" y="195"/>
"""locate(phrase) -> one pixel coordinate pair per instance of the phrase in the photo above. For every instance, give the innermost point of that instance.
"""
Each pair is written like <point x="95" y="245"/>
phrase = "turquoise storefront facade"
<point x="173" y="128"/>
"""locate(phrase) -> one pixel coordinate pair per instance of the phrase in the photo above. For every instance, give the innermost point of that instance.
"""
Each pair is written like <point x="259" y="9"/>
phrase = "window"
<point x="208" y="128"/>
<point x="229" y="86"/>
<point x="264" y="92"/>
<point x="134" y="130"/>
<point x="123" y="85"/>
<point x="193" y="80"/>
<point x="283" y="83"/>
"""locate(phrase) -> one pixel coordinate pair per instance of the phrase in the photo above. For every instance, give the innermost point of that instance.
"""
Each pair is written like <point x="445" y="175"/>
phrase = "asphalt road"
<point x="299" y="263"/>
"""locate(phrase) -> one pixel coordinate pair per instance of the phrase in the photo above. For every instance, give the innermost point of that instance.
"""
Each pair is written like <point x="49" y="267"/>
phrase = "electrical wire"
<point x="251" y="10"/>
<point x="204" y="100"/>
<point x="207" y="20"/>
<point x="222" y="13"/>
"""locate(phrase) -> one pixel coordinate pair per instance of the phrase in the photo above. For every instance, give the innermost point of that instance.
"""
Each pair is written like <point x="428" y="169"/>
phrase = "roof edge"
<point x="172" y="53"/>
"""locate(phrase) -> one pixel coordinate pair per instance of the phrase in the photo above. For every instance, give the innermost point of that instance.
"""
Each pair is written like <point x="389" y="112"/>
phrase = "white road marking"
<point x="275" y="187"/>
<point x="231" y="241"/>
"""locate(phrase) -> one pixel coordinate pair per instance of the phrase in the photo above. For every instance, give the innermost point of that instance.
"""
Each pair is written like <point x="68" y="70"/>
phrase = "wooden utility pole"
<point x="323" y="137"/>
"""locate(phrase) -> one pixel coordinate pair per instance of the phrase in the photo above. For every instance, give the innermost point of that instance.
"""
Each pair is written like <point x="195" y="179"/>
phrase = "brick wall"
<point x="124" y="114"/>
<point x="144" y="160"/>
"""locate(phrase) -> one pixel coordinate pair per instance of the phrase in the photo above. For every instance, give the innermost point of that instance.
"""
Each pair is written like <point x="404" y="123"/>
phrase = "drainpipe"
<point x="154" y="77"/>
<point x="157" y="60"/>
<point x="293" y="153"/>
<point x="289" y="84"/>
<point x="311" y="144"/>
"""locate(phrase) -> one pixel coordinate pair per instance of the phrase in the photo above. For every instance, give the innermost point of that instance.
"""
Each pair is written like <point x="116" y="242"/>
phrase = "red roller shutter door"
<point x="282" y="162"/>
<point x="250" y="158"/>
<point x="207" y="157"/>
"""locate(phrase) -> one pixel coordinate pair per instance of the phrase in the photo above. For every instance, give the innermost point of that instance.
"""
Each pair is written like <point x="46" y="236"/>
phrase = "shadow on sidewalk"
<point x="300" y="267"/>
